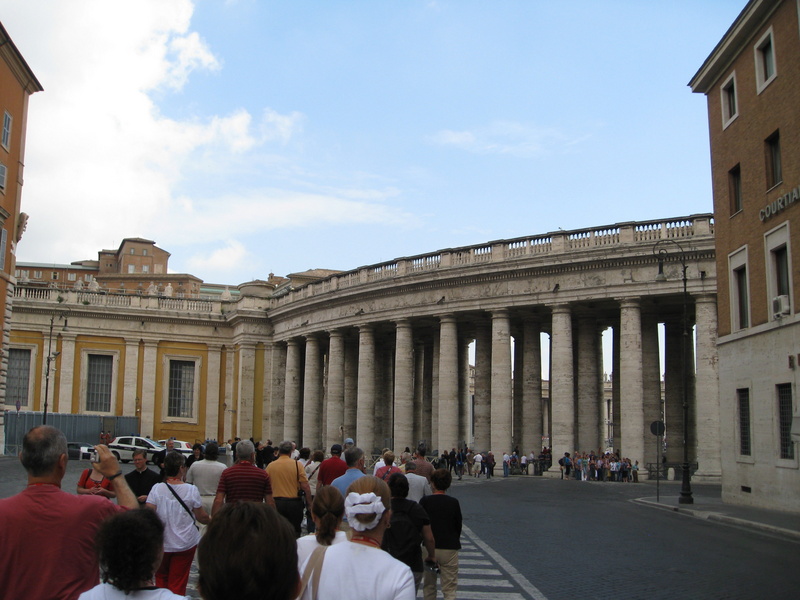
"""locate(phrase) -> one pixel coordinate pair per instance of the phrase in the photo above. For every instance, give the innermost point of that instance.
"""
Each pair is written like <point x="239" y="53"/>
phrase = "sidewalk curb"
<point x="718" y="517"/>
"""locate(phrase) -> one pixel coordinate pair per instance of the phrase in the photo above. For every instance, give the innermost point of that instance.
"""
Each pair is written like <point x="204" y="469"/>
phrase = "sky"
<point x="249" y="137"/>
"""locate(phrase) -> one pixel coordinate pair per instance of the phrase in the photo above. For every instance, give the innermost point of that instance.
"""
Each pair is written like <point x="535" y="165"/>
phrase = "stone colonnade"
<point x="397" y="383"/>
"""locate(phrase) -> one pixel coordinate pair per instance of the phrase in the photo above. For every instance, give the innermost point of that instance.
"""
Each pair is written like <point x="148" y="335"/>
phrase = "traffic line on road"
<point x="474" y="542"/>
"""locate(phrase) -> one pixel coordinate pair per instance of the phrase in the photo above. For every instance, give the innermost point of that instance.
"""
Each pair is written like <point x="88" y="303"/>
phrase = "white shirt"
<point x="378" y="465"/>
<point x="360" y="572"/>
<point x="478" y="459"/>
<point x="205" y="475"/>
<point x="418" y="487"/>
<point x="106" y="591"/>
<point x="179" y="531"/>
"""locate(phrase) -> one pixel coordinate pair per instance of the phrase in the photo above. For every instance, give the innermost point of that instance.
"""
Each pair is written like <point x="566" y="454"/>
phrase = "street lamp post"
<point x="661" y="252"/>
<point x="50" y="358"/>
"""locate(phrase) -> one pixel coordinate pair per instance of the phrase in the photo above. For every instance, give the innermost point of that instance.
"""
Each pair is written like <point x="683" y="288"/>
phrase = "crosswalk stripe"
<point x="466" y="582"/>
<point x="479" y="571"/>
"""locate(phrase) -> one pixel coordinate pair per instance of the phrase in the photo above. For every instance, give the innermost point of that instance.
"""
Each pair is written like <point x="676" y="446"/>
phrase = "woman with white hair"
<point x="359" y="566"/>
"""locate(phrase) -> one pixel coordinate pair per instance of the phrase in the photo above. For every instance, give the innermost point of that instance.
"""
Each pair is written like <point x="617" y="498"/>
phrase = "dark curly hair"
<point x="248" y="552"/>
<point x="128" y="545"/>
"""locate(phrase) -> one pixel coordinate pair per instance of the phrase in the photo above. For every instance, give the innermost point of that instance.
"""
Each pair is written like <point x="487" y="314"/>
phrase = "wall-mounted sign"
<point x="779" y="204"/>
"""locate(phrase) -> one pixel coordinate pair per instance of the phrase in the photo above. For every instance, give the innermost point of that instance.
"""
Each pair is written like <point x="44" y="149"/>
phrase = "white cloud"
<point x="219" y="260"/>
<point x="103" y="163"/>
<point x="506" y="138"/>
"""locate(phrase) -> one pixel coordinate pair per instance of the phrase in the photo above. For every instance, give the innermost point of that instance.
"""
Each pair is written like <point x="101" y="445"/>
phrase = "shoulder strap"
<point x="183" y="504"/>
<point x="313" y="569"/>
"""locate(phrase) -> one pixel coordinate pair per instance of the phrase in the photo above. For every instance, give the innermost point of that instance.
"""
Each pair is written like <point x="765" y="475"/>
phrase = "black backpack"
<point x="403" y="540"/>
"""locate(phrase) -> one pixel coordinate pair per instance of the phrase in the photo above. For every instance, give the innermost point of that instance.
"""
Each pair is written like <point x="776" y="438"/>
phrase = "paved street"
<point x="534" y="538"/>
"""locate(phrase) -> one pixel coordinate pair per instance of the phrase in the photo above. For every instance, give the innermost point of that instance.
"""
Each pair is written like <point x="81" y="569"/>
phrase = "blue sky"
<point x="247" y="137"/>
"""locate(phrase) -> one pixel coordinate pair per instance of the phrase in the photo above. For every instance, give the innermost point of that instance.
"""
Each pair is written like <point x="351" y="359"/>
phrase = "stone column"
<point x="673" y="390"/>
<point x="651" y="371"/>
<point x="212" y="409"/>
<point x="464" y="399"/>
<point x="483" y="389"/>
<point x="448" y="383"/>
<point x="149" y="365"/>
<point x="291" y="407"/>
<point x="562" y="386"/>
<point x="276" y="409"/>
<point x="312" y="395"/>
<point x="335" y="421"/>
<point x="532" y="429"/>
<point x="429" y="366"/>
<point x="517" y="388"/>
<point x="365" y="408"/>
<point x="419" y="393"/>
<point x="707" y="417"/>
<point x="502" y="410"/>
<point x="614" y="419"/>
<point x="404" y="386"/>
<point x="434" y="443"/>
<point x="131" y="379"/>
<point x="590" y="392"/>
<point x="631" y="443"/>
<point x="65" y="378"/>
<point x="350" y="388"/>
<point x="247" y="368"/>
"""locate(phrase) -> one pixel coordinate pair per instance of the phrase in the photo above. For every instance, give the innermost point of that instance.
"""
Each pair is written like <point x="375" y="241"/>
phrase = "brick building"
<point x="750" y="81"/>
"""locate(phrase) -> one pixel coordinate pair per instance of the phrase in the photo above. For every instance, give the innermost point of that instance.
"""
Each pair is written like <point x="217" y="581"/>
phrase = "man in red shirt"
<point x="244" y="481"/>
<point x="333" y="467"/>
<point x="48" y="535"/>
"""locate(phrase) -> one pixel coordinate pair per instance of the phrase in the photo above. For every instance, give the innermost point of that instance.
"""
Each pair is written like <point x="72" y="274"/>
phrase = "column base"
<point x="707" y="477"/>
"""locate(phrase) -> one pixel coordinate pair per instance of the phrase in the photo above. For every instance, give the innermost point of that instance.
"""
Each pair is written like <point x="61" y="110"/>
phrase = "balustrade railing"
<point x="644" y="233"/>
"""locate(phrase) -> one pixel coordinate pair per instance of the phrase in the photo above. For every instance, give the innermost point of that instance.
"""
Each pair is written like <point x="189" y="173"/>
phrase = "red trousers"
<point x="173" y="572"/>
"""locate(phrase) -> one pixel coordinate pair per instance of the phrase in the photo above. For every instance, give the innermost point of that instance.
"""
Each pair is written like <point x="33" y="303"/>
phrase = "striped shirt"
<point x="244" y="482"/>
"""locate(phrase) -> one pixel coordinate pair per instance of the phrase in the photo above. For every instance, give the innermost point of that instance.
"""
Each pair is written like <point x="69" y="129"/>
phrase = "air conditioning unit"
<point x="780" y="306"/>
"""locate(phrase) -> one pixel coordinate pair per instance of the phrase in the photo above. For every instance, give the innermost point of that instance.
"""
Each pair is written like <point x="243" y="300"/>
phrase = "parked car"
<point x="79" y="450"/>
<point x="123" y="446"/>
<point x="184" y="448"/>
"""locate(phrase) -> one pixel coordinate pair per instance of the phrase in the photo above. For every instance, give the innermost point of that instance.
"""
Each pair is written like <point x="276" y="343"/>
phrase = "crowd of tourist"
<point x="142" y="545"/>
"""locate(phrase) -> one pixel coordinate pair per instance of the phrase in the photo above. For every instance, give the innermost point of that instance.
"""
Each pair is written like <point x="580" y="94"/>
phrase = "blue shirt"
<point x="343" y="482"/>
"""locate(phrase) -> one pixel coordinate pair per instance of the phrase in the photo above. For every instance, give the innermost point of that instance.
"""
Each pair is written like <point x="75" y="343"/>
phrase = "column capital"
<point x="629" y="302"/>
<point x="500" y="313"/>
<point x="561" y="309"/>
<point x="708" y="298"/>
<point x="336" y="333"/>
<point x="404" y="322"/>
<point x="447" y="317"/>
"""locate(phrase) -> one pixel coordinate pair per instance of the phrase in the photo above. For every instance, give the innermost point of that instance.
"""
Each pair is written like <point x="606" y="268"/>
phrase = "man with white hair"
<point x="244" y="481"/>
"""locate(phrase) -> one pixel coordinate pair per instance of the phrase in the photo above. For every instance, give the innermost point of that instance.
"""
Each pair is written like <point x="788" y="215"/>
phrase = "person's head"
<point x="352" y="456"/>
<point x="170" y="444"/>
<point x="130" y="547"/>
<point x="42" y="448"/>
<point x="398" y="484"/>
<point x="348" y="443"/>
<point x="317" y="456"/>
<point x="173" y="463"/>
<point x="212" y="451"/>
<point x="327" y="511"/>
<point x="422" y="450"/>
<point x="368" y="503"/>
<point x="441" y="479"/>
<point x="411" y="466"/>
<point x="197" y="449"/>
<point x="405" y="457"/>
<point x="140" y="459"/>
<point x="305" y="453"/>
<point x="245" y="450"/>
<point x="336" y="450"/>
<point x="248" y="552"/>
<point x="388" y="458"/>
<point x="285" y="448"/>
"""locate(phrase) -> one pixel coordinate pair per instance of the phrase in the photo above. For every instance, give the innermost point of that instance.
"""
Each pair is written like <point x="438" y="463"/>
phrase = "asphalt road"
<point x="543" y="539"/>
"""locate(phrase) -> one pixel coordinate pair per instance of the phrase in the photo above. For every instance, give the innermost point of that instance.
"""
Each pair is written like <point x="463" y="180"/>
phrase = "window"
<point x="18" y="378"/>
<point x="3" y="175"/>
<point x="772" y="147"/>
<point x="180" y="401"/>
<point x="784" y="391"/>
<point x="87" y="278"/>
<point x="735" y="188"/>
<point x="98" y="382"/>
<point x="131" y="268"/>
<point x="37" y="274"/>
<point x="133" y="251"/>
<point x="765" y="61"/>
<point x="6" y="139"/>
<point x="743" y="397"/>
<point x="730" y="107"/>
<point x="71" y="277"/>
<point x="778" y="264"/>
<point x="144" y="252"/>
<point x="54" y="275"/>
<point x="145" y="268"/>
<point x="739" y="304"/>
